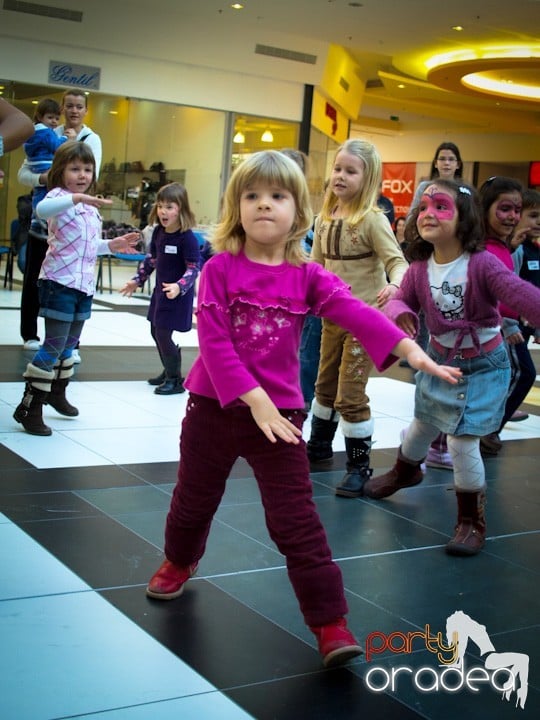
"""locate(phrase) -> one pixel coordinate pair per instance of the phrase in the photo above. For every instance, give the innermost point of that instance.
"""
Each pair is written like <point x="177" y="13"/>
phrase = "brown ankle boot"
<point x="470" y="533"/>
<point x="57" y="398"/>
<point x="405" y="473"/>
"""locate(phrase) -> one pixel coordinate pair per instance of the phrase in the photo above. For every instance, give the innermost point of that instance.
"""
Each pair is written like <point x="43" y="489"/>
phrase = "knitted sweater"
<point x="488" y="283"/>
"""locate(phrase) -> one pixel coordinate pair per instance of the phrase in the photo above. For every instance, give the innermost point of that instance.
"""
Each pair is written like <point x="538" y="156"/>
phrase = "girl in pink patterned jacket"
<point x="66" y="281"/>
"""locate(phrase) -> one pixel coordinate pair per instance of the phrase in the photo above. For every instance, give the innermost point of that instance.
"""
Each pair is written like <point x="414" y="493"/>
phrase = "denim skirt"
<point x="475" y="406"/>
<point x="63" y="303"/>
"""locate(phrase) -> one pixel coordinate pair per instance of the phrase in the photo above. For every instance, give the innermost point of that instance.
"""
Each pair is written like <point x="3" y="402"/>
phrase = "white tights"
<point x="469" y="472"/>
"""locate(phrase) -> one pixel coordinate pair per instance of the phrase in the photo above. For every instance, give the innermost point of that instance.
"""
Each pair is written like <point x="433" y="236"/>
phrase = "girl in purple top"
<point x="459" y="286"/>
<point x="174" y="255"/>
<point x="66" y="281"/>
<point x="245" y="397"/>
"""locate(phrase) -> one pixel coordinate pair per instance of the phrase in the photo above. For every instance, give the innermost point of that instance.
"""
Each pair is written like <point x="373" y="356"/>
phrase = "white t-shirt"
<point x="448" y="285"/>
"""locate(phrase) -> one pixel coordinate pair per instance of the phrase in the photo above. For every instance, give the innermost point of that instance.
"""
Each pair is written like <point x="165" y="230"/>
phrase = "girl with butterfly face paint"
<point x="459" y="288"/>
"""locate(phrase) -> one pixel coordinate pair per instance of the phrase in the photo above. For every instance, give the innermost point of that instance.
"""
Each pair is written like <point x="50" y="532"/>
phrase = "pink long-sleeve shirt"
<point x="249" y="322"/>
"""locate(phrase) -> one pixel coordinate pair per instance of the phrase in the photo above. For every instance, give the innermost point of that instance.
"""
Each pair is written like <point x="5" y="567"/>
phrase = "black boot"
<point x="57" y="398"/>
<point x="319" y="445"/>
<point x="174" y="382"/>
<point x="29" y="412"/>
<point x="358" y="470"/>
<point x="159" y="379"/>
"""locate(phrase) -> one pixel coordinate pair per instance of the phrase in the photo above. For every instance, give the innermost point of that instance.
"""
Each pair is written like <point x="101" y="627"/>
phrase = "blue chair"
<point x="7" y="250"/>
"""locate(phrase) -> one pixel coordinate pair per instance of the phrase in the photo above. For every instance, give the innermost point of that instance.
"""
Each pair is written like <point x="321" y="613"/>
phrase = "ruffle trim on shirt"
<point x="288" y="305"/>
<point x="336" y="289"/>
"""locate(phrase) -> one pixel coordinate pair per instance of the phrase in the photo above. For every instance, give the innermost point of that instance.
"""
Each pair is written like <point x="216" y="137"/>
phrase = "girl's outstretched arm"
<point x="417" y="358"/>
<point x="268" y="417"/>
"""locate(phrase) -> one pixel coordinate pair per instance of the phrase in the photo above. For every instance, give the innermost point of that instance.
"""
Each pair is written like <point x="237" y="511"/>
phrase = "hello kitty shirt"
<point x="487" y="282"/>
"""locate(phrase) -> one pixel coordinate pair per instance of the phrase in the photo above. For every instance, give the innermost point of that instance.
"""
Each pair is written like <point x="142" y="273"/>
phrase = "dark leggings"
<point x="164" y="342"/>
<point x="523" y="377"/>
<point x="35" y="253"/>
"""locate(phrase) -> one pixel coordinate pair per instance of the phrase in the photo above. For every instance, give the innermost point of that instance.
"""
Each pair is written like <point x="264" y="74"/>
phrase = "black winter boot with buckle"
<point x="319" y="445"/>
<point x="29" y="412"/>
<point x="57" y="398"/>
<point x="158" y="380"/>
<point x="358" y="470"/>
<point x="174" y="382"/>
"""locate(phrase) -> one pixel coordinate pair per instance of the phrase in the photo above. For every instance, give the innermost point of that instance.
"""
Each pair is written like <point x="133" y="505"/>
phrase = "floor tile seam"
<point x="150" y="704"/>
<point x="399" y="516"/>
<point x="55" y="595"/>
<point x="247" y="536"/>
<point x="521" y="628"/>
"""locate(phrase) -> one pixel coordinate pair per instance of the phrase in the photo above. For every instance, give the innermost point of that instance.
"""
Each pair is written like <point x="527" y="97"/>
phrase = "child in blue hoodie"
<point x="40" y="149"/>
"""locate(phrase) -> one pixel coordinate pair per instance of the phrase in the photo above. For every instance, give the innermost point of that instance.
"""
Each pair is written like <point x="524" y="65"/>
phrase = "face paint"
<point x="438" y="204"/>
<point x="508" y="210"/>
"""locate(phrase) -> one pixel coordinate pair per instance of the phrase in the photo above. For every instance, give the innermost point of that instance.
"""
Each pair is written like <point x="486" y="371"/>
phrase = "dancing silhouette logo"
<point x="505" y="672"/>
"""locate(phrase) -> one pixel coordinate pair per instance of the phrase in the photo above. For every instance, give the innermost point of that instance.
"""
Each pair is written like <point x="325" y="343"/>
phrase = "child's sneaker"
<point x="168" y="582"/>
<point x="438" y="459"/>
<point x="337" y="644"/>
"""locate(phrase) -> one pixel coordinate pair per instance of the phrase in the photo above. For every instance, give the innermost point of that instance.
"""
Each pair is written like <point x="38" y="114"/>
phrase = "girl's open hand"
<point x="418" y="360"/>
<point x="171" y="290"/>
<point x="386" y="294"/>
<point x="406" y="322"/>
<point x="129" y="288"/>
<point x="125" y="243"/>
<point x="268" y="417"/>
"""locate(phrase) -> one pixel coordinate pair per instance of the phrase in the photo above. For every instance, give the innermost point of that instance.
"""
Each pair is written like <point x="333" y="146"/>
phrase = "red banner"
<point x="398" y="185"/>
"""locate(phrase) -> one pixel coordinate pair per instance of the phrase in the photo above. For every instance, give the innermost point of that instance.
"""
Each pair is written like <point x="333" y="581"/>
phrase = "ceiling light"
<point x="457" y="28"/>
<point x="510" y="71"/>
<point x="237" y="6"/>
<point x="267" y="136"/>
<point x="239" y="138"/>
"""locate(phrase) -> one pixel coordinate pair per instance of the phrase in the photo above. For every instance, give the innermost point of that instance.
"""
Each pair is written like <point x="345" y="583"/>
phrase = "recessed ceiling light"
<point x="237" y="6"/>
<point x="401" y="86"/>
<point x="457" y="28"/>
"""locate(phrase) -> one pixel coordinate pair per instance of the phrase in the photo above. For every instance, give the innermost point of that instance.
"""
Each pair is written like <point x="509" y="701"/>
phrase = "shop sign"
<point x="65" y="73"/>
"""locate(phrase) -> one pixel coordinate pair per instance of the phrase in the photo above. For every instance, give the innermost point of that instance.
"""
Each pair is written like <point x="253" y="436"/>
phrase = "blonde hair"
<point x="366" y="200"/>
<point x="174" y="193"/>
<point x="273" y="168"/>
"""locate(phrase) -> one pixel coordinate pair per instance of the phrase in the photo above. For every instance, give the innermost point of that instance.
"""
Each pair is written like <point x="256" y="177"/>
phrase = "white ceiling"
<point x="386" y="38"/>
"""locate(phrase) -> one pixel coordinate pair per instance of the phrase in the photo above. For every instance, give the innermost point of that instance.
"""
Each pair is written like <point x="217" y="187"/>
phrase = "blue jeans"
<point x="310" y="351"/>
<point x="63" y="303"/>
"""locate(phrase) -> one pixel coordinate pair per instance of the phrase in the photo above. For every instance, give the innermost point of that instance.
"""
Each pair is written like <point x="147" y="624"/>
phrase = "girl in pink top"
<point x="245" y="397"/>
<point x="66" y="281"/>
